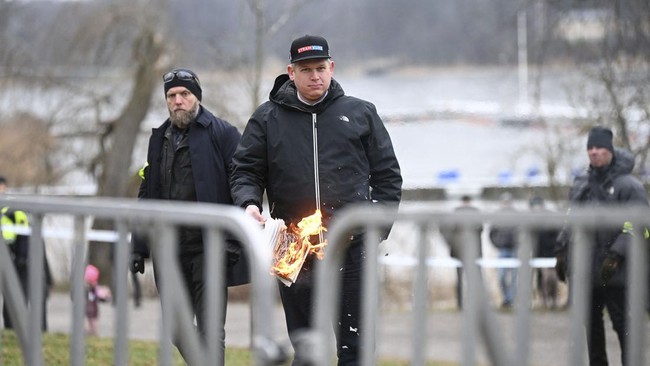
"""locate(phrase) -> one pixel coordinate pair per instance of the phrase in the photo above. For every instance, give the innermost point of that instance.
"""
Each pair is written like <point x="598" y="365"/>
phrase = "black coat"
<point x="276" y="154"/>
<point x="212" y="143"/>
<point x="614" y="185"/>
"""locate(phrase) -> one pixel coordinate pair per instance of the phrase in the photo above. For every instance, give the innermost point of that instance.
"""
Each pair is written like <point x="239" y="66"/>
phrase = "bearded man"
<point x="189" y="159"/>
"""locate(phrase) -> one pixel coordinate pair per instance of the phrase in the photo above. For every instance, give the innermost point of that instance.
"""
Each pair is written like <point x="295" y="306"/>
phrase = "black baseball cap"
<point x="309" y="47"/>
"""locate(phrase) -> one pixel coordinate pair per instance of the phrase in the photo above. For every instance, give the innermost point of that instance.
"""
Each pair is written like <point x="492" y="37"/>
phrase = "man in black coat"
<point x="312" y="147"/>
<point x="607" y="181"/>
<point x="189" y="159"/>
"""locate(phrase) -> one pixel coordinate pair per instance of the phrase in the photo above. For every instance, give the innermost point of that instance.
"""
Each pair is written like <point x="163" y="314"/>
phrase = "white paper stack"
<point x="280" y="240"/>
<point x="273" y="231"/>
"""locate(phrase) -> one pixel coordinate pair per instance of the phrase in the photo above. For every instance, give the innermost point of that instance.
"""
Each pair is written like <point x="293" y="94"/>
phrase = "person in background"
<point x="504" y="238"/>
<point x="453" y="239"/>
<point x="547" y="281"/>
<point x="19" y="250"/>
<point x="188" y="159"/>
<point x="91" y="277"/>
<point x="311" y="141"/>
<point x="608" y="181"/>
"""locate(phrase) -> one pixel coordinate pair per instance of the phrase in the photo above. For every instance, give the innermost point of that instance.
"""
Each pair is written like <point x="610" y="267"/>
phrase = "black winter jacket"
<point x="212" y="142"/>
<point x="355" y="155"/>
<point x="614" y="185"/>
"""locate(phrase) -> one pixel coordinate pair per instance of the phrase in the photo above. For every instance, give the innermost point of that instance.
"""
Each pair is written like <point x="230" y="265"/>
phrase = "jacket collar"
<point x="284" y="93"/>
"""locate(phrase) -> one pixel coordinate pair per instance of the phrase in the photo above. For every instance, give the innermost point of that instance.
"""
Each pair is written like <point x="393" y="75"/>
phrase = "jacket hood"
<point x="279" y="88"/>
<point x="284" y="93"/>
<point x="623" y="163"/>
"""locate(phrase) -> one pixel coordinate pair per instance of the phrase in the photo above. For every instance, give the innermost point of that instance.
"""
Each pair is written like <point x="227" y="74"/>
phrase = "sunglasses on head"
<point x="180" y="75"/>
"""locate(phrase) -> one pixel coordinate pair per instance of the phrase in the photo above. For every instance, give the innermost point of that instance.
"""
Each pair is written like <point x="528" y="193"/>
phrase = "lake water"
<point x="448" y="126"/>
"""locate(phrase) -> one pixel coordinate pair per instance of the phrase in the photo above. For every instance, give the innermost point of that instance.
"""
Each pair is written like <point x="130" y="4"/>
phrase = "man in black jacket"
<point x="189" y="159"/>
<point x="607" y="181"/>
<point x="311" y="147"/>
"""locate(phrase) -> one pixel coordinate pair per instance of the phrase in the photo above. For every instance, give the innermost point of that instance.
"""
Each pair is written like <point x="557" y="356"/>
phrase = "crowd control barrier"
<point x="479" y="318"/>
<point x="161" y="218"/>
<point x="479" y="321"/>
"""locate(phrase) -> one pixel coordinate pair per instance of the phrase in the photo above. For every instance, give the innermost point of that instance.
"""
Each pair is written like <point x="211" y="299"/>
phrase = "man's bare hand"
<point x="255" y="213"/>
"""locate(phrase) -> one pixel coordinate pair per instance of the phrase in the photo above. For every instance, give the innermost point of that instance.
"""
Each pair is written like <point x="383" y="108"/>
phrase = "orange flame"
<point x="291" y="258"/>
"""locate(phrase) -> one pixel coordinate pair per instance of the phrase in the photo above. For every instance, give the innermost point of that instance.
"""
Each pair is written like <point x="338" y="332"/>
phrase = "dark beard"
<point x="182" y="119"/>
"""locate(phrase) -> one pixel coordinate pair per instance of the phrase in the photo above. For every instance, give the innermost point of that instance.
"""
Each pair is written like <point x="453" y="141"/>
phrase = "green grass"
<point x="99" y="351"/>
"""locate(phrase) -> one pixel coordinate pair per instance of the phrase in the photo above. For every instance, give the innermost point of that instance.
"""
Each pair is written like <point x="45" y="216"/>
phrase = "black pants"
<point x="137" y="290"/>
<point x="614" y="299"/>
<point x="22" y="277"/>
<point x="192" y="269"/>
<point x="459" y="287"/>
<point x="297" y="301"/>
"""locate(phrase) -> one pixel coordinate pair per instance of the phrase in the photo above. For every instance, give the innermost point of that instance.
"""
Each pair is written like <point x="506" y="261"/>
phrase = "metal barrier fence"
<point x="479" y="320"/>
<point x="162" y="218"/>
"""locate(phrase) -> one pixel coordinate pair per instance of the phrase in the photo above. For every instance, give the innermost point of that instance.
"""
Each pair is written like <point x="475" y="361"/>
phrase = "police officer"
<point x="19" y="249"/>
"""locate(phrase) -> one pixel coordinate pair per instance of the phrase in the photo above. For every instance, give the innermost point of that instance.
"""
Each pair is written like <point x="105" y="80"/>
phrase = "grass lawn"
<point x="99" y="351"/>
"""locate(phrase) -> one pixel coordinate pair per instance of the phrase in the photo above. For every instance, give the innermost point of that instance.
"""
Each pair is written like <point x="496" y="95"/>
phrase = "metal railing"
<point x="479" y="323"/>
<point x="479" y="320"/>
<point x="161" y="217"/>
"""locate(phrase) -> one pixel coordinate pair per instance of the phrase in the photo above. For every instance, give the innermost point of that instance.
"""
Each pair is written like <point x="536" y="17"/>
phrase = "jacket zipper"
<point x="314" y="129"/>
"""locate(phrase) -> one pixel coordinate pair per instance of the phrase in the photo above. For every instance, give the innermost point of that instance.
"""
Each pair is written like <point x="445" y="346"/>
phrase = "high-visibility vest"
<point x="628" y="228"/>
<point x="10" y="219"/>
<point x="141" y="171"/>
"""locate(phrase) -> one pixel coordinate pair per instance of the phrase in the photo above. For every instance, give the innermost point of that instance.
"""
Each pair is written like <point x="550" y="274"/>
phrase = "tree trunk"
<point x="116" y="177"/>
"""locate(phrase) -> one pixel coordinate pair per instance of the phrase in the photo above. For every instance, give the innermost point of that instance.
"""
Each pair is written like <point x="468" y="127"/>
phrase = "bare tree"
<point x="94" y="115"/>
<point x="266" y="26"/>
<point x="117" y="136"/>
<point x="25" y="156"/>
<point x="614" y="86"/>
<point x="621" y="99"/>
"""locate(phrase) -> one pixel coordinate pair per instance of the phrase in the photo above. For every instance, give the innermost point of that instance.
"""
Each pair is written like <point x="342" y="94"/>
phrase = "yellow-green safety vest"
<point x="628" y="228"/>
<point x="141" y="171"/>
<point x="20" y="219"/>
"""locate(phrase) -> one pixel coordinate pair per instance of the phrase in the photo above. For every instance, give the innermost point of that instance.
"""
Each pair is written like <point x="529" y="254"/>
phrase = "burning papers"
<point x="292" y="245"/>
